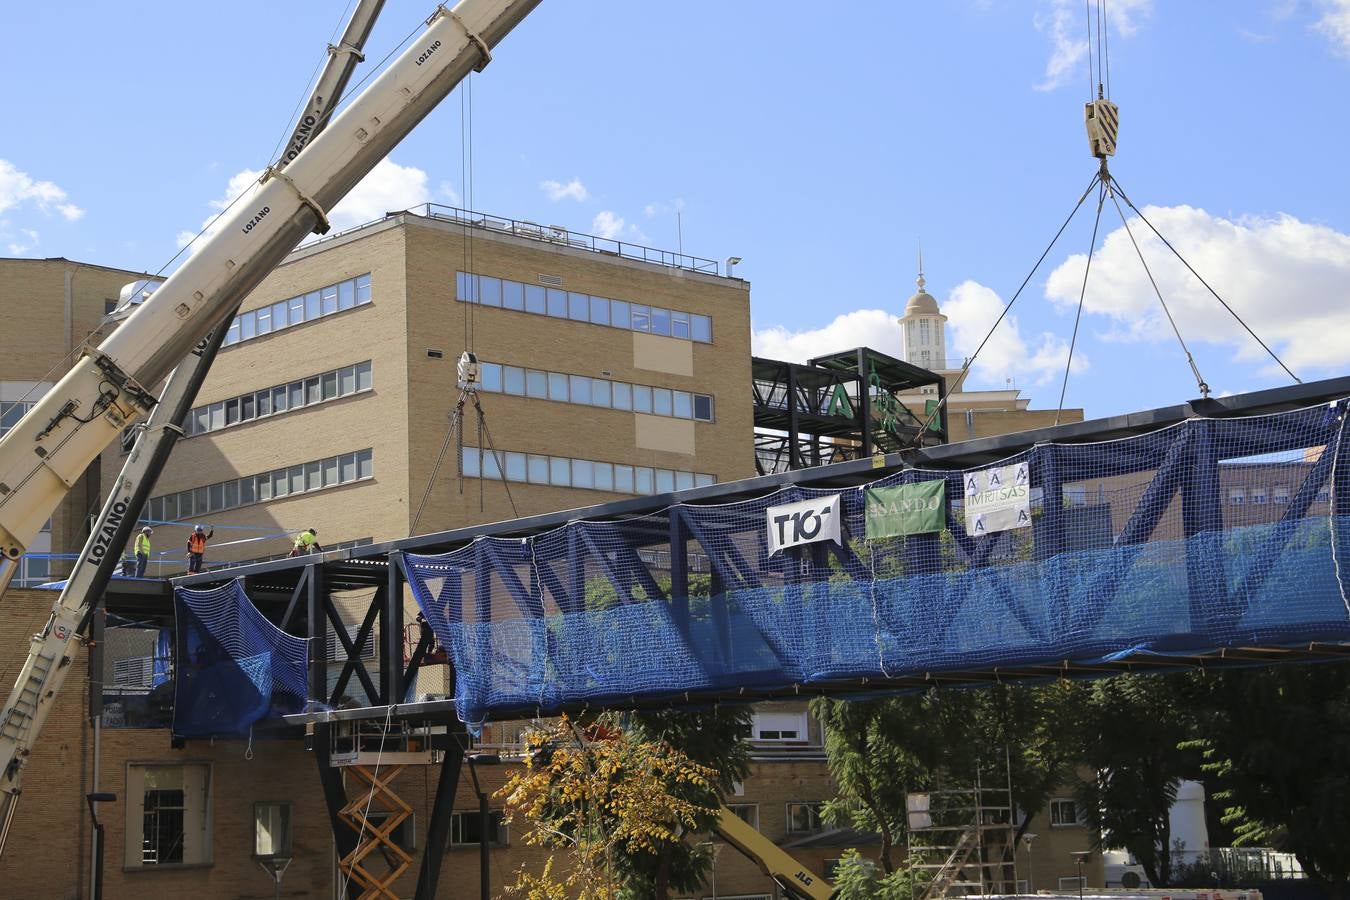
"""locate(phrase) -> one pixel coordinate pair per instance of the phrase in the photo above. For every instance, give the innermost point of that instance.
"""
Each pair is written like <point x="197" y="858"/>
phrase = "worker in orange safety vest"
<point x="196" y="544"/>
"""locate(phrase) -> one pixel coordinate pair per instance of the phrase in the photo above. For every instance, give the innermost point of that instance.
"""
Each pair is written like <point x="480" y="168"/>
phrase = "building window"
<point x="1281" y="493"/>
<point x="779" y="726"/>
<point x="168" y="815"/>
<point x="582" y="390"/>
<point x="12" y="412"/>
<point x="302" y="478"/>
<point x="1259" y="495"/>
<point x="297" y="310"/>
<point x="1064" y="813"/>
<point x="269" y="401"/>
<point x="1236" y="496"/>
<point x="747" y="813"/>
<point x="272" y="830"/>
<point x="924" y="337"/>
<point x="466" y="829"/>
<point x="804" y="818"/>
<point x="489" y="291"/>
<point x="587" y="474"/>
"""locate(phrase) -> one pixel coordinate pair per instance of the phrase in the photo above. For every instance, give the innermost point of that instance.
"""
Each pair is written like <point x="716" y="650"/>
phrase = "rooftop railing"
<point x="548" y="234"/>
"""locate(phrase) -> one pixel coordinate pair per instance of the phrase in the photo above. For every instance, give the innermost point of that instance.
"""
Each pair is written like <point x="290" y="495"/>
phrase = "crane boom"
<point x="46" y="452"/>
<point x="48" y="663"/>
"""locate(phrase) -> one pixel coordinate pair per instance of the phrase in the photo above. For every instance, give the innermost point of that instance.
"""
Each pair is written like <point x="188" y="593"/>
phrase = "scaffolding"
<point x="963" y="837"/>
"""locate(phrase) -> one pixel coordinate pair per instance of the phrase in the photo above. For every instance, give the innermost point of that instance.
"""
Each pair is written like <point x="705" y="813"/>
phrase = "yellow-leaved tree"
<point x="604" y="802"/>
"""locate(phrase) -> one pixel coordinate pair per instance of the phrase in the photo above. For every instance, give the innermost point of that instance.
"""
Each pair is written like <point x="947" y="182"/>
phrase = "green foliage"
<point x="1276" y="743"/>
<point x="881" y="749"/>
<point x="1132" y="732"/>
<point x="859" y="879"/>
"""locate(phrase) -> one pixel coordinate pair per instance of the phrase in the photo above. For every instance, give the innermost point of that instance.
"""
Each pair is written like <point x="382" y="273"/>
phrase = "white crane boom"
<point x="44" y="455"/>
<point x="44" y="672"/>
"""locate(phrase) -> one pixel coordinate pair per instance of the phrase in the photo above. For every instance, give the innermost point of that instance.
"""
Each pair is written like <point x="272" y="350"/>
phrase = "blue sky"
<point x="819" y="142"/>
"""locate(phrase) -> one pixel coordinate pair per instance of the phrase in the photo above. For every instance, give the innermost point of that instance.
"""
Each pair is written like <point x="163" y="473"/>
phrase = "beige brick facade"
<point x="412" y="262"/>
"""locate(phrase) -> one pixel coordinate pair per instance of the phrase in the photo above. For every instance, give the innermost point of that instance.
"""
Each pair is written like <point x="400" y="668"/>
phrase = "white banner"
<point x="806" y="522"/>
<point x="998" y="499"/>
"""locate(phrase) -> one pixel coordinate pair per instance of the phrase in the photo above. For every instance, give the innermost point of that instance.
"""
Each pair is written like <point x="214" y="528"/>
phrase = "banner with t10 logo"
<point x="806" y="522"/>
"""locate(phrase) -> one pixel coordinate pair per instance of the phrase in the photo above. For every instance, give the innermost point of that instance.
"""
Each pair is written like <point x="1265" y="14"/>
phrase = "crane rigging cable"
<point x="1102" y="187"/>
<point x="1102" y="120"/>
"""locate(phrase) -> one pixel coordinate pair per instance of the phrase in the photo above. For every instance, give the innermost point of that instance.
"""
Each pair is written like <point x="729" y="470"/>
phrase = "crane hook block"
<point x="1102" y="118"/>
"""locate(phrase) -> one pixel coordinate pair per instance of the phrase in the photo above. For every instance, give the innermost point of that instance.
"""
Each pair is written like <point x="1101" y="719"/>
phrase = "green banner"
<point x="908" y="509"/>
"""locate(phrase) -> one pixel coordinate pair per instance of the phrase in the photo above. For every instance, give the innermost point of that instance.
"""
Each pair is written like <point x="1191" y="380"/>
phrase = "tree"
<point x="872" y="768"/>
<point x="1132" y="731"/>
<point x="624" y="795"/>
<point x="1276" y="743"/>
<point x="612" y="802"/>
<point x="713" y="738"/>
<point x="881" y="749"/>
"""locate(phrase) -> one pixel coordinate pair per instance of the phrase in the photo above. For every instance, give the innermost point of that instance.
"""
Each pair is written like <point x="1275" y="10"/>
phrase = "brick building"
<point x="604" y="375"/>
<point x="50" y="307"/>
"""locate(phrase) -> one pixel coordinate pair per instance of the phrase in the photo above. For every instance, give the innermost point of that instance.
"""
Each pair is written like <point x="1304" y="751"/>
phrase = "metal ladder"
<point x="947" y="874"/>
<point x="25" y="705"/>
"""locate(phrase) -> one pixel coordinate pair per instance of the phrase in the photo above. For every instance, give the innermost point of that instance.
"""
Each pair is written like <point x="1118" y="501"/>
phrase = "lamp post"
<point x="484" y="818"/>
<point x="1031" y="873"/>
<point x="1080" y="857"/>
<point x="91" y="799"/>
<point x="732" y="263"/>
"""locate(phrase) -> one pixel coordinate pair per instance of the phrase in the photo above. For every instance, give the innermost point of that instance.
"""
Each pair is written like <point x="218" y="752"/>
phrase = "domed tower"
<point x="925" y="329"/>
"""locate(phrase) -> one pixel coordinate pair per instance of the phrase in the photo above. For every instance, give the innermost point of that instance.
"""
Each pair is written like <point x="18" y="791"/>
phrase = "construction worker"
<point x="143" y="550"/>
<point x="197" y="548"/>
<point x="306" y="542"/>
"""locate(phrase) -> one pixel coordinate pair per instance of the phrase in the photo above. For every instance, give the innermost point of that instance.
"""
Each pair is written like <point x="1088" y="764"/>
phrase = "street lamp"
<point x="732" y="263"/>
<point x="484" y="817"/>
<point x="1031" y="873"/>
<point x="1080" y="857"/>
<point x="91" y="799"/>
<point x="713" y="848"/>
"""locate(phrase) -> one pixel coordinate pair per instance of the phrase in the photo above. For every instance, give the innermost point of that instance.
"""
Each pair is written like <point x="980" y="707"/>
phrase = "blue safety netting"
<point x="1210" y="534"/>
<point x="233" y="666"/>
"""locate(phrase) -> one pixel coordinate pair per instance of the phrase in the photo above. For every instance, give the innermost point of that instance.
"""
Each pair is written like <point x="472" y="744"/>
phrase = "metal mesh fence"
<point x="1213" y="533"/>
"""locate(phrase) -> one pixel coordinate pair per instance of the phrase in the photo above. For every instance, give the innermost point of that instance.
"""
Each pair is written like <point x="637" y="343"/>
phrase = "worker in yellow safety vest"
<point x="143" y="550"/>
<point x="306" y="542"/>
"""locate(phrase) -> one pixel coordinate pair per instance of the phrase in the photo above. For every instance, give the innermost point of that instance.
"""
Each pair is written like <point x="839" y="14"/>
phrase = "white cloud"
<point x="1335" y="25"/>
<point x="17" y="245"/>
<point x="1290" y="280"/>
<point x="19" y="188"/>
<point x="662" y="208"/>
<point x="607" y="225"/>
<point x="1065" y="24"/>
<point x="572" y="190"/>
<point x="972" y="309"/>
<point x="387" y="188"/>
<point x="873" y="328"/>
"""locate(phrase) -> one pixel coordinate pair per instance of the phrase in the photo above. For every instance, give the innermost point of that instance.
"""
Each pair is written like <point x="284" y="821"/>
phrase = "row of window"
<point x="297" y="479"/>
<point x="562" y="471"/>
<point x="1279" y="494"/>
<point x="168" y="820"/>
<point x="561" y="304"/>
<point x="303" y="308"/>
<point x="281" y="398"/>
<point x="602" y="392"/>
